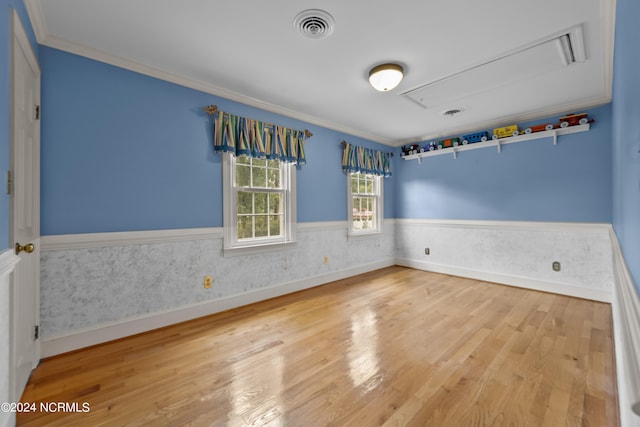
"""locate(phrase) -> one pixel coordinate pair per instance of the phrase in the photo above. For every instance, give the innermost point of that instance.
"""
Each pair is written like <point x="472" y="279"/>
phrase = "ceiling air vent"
<point x="314" y="23"/>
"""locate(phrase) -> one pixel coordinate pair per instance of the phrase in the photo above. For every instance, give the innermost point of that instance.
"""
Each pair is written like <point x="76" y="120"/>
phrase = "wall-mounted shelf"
<point x="554" y="133"/>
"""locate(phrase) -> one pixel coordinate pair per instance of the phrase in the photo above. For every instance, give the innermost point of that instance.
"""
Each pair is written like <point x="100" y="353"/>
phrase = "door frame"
<point x="19" y="39"/>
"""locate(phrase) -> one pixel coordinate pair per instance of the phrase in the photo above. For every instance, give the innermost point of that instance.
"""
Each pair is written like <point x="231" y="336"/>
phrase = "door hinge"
<point x="8" y="189"/>
<point x="36" y="332"/>
<point x="37" y="112"/>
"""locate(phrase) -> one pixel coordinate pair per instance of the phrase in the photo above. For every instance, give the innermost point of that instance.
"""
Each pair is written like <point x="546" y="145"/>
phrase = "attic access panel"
<point x="547" y="56"/>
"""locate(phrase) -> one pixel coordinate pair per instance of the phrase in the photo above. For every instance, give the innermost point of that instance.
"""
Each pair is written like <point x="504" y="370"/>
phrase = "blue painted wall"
<point x="122" y="151"/>
<point x="626" y="134"/>
<point x="527" y="181"/>
<point x="6" y="9"/>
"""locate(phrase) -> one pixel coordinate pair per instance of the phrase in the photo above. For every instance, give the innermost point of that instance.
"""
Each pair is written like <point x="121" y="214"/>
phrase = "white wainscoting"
<point x="96" y="288"/>
<point x="8" y="261"/>
<point x="513" y="253"/>
<point x="626" y="329"/>
<point x="103" y="286"/>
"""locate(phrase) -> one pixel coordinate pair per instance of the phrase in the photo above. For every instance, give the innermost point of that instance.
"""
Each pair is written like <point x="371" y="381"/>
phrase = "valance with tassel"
<point x="365" y="160"/>
<point x="241" y="136"/>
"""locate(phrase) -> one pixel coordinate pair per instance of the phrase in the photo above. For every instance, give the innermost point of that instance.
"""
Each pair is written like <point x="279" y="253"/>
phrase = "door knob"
<point x="28" y="248"/>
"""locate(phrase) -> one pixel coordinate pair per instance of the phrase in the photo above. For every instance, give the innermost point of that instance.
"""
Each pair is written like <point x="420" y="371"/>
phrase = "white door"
<point x="25" y="208"/>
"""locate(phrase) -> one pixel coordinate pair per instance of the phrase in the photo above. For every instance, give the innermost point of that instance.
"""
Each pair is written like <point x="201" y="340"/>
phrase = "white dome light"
<point x="385" y="77"/>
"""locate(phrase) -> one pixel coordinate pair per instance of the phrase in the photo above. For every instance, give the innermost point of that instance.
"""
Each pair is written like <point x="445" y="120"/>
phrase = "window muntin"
<point x="365" y="203"/>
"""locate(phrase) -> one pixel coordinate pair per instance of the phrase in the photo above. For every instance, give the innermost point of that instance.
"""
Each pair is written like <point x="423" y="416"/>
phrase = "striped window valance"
<point x="365" y="160"/>
<point x="241" y="136"/>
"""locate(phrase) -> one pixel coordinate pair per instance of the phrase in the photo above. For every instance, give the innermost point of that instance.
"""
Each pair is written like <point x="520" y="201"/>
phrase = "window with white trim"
<point x="365" y="203"/>
<point x="259" y="202"/>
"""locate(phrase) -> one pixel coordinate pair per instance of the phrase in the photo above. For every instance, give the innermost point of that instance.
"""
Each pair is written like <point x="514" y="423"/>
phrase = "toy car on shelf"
<point x="430" y="146"/>
<point x="408" y="150"/>
<point x="539" y="128"/>
<point x="505" y="131"/>
<point x="449" y="142"/>
<point x="475" y="137"/>
<point x="574" y="119"/>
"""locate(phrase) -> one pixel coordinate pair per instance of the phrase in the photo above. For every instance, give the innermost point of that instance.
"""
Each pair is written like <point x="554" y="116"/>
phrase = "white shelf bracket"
<point x="419" y="160"/>
<point x="555" y="137"/>
<point x="499" y="147"/>
<point x="455" y="153"/>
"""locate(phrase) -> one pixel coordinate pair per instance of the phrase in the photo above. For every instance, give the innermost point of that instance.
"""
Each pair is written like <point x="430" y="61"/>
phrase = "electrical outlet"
<point x="326" y="259"/>
<point x="208" y="282"/>
<point x="427" y="251"/>
<point x="555" y="266"/>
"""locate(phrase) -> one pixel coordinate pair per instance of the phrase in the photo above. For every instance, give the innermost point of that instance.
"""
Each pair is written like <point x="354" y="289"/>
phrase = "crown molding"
<point x="36" y="14"/>
<point x="97" y="55"/>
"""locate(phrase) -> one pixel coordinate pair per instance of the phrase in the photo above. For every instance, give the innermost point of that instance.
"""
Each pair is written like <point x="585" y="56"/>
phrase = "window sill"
<point x="257" y="249"/>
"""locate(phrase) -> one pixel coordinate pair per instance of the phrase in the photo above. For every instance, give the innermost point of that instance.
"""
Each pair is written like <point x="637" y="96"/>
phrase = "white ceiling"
<point x="249" y="51"/>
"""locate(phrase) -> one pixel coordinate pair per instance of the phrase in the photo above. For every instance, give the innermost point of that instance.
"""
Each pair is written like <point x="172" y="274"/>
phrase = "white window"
<point x="365" y="203"/>
<point x="259" y="203"/>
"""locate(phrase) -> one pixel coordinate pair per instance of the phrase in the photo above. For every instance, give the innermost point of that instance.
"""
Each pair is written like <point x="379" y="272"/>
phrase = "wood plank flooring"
<point x="394" y="347"/>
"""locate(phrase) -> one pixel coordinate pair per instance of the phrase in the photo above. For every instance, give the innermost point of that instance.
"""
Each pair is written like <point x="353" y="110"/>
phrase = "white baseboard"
<point x="626" y="331"/>
<point x="120" y="329"/>
<point x="517" y="281"/>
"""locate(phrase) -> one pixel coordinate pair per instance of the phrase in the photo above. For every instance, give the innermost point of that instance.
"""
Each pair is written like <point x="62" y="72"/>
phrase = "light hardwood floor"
<point x="393" y="347"/>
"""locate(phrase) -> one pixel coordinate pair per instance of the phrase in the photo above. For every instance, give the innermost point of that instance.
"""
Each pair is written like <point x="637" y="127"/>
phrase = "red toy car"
<point x="574" y="119"/>
<point x="539" y="128"/>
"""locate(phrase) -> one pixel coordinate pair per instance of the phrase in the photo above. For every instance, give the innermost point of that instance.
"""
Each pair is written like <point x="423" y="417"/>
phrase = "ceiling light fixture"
<point x="385" y="77"/>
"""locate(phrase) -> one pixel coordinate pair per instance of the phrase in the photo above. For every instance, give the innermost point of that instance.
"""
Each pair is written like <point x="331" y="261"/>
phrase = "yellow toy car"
<point x="506" y="131"/>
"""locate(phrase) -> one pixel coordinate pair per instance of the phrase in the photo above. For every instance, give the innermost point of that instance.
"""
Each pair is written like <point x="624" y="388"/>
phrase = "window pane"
<point x="361" y="185"/>
<point x="260" y="206"/>
<point x="357" y="204"/>
<point x="259" y="175"/>
<point x="357" y="224"/>
<point x="243" y="160"/>
<point x="261" y="226"/>
<point x="259" y="163"/>
<point x="245" y="227"/>
<point x="369" y="184"/>
<point x="274" y="203"/>
<point x="273" y="178"/>
<point x="354" y="183"/>
<point x="245" y="202"/>
<point x="275" y="224"/>
<point x="367" y="214"/>
<point x="243" y="175"/>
